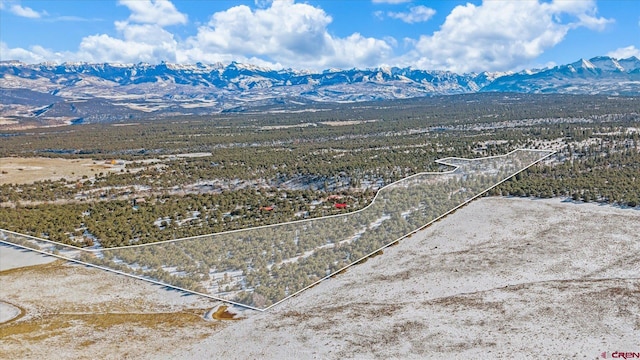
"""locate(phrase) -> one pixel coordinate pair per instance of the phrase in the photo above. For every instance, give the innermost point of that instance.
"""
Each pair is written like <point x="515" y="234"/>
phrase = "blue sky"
<point x="461" y="36"/>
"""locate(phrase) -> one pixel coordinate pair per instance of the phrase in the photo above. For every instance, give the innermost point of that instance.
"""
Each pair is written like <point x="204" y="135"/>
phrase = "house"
<point x="340" y="206"/>
<point x="266" y="208"/>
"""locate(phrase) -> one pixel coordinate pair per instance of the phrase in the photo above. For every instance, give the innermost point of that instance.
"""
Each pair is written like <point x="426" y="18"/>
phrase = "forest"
<point x="273" y="262"/>
<point x="267" y="161"/>
<point x="257" y="169"/>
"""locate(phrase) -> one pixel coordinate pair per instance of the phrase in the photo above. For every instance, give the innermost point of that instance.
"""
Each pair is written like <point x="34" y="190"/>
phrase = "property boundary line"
<point x="129" y="275"/>
<point x="439" y="161"/>
<point x="414" y="231"/>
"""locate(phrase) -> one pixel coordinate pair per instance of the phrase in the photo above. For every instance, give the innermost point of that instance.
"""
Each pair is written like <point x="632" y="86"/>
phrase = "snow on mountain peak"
<point x="630" y="64"/>
<point x="235" y="83"/>
<point x="583" y="64"/>
<point x="606" y="63"/>
<point x="496" y="74"/>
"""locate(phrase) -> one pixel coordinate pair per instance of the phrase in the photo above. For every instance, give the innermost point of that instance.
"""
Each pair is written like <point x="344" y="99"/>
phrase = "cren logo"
<point x="624" y="355"/>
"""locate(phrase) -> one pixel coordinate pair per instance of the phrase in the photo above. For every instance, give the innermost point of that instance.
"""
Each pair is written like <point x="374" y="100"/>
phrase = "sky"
<point x="460" y="36"/>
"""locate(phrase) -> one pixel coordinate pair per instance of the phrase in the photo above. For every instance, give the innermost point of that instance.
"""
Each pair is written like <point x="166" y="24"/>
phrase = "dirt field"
<point x="500" y="278"/>
<point x="74" y="312"/>
<point x="16" y="170"/>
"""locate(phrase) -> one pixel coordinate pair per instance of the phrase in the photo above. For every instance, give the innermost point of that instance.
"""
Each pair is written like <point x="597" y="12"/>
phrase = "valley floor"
<point x="499" y="278"/>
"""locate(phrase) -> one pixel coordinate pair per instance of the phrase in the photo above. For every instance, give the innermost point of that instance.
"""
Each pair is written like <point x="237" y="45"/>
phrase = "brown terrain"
<point x="20" y="170"/>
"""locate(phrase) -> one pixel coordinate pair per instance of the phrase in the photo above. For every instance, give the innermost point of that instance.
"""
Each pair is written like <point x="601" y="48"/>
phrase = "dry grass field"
<point x="17" y="170"/>
<point x="73" y="312"/>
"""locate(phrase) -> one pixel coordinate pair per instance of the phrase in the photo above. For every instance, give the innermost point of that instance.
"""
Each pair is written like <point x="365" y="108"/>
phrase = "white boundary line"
<point x="420" y="228"/>
<point x="130" y="275"/>
<point x="439" y="161"/>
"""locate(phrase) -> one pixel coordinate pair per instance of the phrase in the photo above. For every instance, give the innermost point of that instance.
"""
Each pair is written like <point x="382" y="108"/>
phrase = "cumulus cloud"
<point x="625" y="52"/>
<point x="288" y="33"/>
<point x="160" y="12"/>
<point x="138" y="43"/>
<point x="142" y="37"/>
<point x="500" y="35"/>
<point x="494" y="36"/>
<point x="416" y="14"/>
<point x="35" y="54"/>
<point x="284" y="34"/>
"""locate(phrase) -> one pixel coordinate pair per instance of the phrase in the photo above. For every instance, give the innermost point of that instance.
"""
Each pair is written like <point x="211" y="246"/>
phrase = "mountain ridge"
<point x="137" y="90"/>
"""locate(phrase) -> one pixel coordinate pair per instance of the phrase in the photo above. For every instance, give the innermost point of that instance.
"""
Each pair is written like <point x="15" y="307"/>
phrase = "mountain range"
<point x="52" y="93"/>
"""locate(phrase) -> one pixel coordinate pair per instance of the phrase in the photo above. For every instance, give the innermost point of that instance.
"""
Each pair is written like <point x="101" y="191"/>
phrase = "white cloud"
<point x="592" y="22"/>
<point x="142" y="37"/>
<point x="19" y="54"/>
<point x="24" y="11"/>
<point x="35" y="54"/>
<point x="14" y="7"/>
<point x="494" y="36"/>
<point x="287" y="33"/>
<point x="138" y="43"/>
<point x="160" y="12"/>
<point x="501" y="35"/>
<point x="625" y="52"/>
<point x="135" y="43"/>
<point x="416" y="14"/>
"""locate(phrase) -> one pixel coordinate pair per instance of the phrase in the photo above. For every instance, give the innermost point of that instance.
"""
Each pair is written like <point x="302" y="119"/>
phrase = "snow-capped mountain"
<point x="599" y="75"/>
<point x="104" y="92"/>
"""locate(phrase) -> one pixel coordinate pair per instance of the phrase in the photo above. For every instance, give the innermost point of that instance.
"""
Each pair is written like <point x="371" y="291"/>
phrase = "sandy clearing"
<point x="18" y="170"/>
<point x="279" y="127"/>
<point x="12" y="257"/>
<point x="347" y="122"/>
<point x="7" y="121"/>
<point x="188" y="155"/>
<point x="500" y="278"/>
